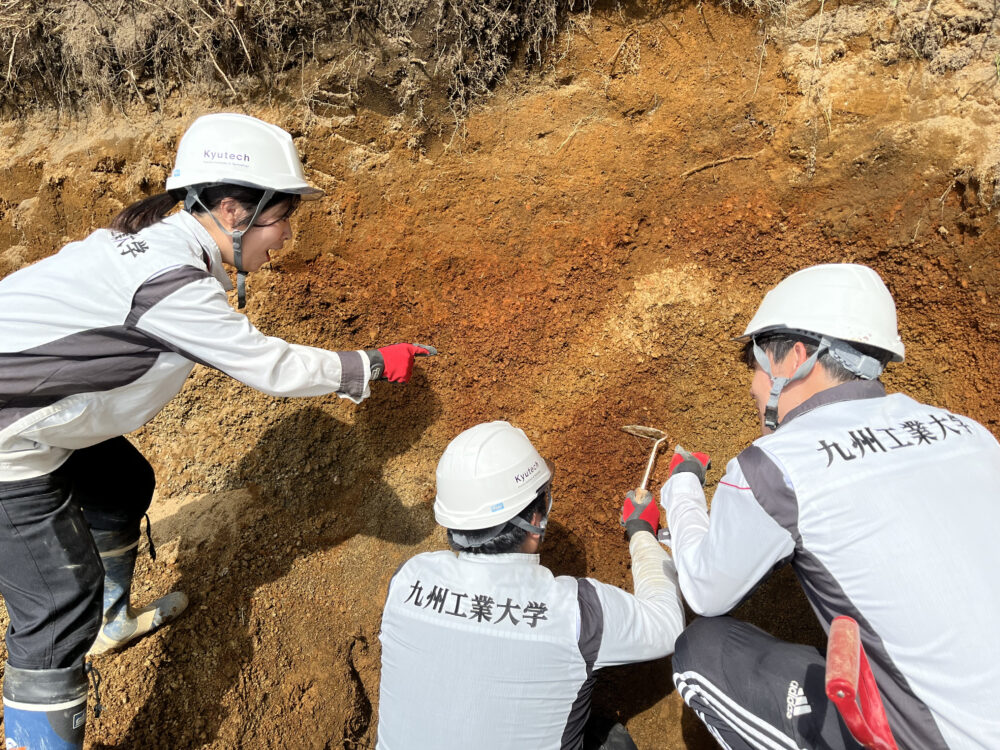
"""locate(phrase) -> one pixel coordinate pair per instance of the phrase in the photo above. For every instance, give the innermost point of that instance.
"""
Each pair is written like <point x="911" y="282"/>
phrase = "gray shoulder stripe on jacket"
<point x="97" y="359"/>
<point x="770" y="490"/>
<point x="159" y="287"/>
<point x="591" y="633"/>
<point x="591" y="622"/>
<point x="168" y="347"/>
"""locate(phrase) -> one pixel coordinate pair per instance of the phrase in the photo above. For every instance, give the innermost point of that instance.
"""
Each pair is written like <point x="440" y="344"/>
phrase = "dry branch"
<point x="760" y="65"/>
<point x="614" y="57"/>
<point x="715" y="163"/>
<point x="571" y="134"/>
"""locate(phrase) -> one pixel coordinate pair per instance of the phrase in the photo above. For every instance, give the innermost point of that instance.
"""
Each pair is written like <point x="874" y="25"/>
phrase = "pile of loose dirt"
<point x="580" y="252"/>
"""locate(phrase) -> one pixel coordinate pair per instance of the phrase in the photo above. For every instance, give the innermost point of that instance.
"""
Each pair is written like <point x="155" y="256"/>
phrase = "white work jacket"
<point x="889" y="511"/>
<point x="495" y="652"/>
<point x="96" y="339"/>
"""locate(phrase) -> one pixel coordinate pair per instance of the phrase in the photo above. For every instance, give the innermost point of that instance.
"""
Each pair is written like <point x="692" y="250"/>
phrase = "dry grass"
<point x="70" y="52"/>
<point x="766" y="8"/>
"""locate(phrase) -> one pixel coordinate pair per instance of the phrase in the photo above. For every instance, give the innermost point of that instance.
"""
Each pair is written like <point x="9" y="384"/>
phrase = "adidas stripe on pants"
<point x="753" y="691"/>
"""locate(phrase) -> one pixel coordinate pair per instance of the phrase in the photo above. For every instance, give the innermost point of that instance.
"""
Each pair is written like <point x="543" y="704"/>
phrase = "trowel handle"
<point x="652" y="460"/>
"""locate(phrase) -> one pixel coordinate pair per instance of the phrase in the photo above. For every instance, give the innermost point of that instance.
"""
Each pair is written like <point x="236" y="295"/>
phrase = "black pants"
<point x="753" y="691"/>
<point x="51" y="576"/>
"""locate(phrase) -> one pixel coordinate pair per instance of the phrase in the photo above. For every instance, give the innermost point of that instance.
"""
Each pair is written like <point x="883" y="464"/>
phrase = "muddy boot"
<point x="44" y="708"/>
<point x="122" y="624"/>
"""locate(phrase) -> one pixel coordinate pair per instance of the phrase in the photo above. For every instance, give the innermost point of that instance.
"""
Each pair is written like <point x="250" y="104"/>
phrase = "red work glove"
<point x="640" y="513"/>
<point x="696" y="463"/>
<point x="395" y="363"/>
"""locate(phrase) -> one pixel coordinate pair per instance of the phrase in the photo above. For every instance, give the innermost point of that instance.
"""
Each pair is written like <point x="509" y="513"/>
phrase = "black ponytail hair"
<point x="144" y="213"/>
<point x="148" y="211"/>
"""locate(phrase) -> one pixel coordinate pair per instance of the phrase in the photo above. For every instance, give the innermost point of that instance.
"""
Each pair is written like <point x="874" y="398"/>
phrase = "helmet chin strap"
<point x="778" y="384"/>
<point x="521" y="523"/>
<point x="530" y="527"/>
<point x="862" y="365"/>
<point x="193" y="198"/>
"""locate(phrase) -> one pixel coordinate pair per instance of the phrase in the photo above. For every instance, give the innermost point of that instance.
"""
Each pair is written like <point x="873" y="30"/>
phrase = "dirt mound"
<point x="580" y="253"/>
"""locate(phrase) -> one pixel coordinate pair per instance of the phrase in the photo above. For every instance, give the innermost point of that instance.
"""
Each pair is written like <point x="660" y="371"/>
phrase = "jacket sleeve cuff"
<point x="355" y="368"/>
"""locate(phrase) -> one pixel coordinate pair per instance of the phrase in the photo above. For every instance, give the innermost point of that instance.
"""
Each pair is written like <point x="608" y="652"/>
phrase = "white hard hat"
<point x="486" y="476"/>
<point x="842" y="301"/>
<point x="240" y="150"/>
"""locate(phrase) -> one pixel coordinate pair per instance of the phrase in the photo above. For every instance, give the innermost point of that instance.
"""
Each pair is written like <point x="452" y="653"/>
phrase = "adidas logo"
<point x="797" y="702"/>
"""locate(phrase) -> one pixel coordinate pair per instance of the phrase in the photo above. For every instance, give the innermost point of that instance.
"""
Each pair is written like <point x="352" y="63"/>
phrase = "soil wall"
<point x="580" y="251"/>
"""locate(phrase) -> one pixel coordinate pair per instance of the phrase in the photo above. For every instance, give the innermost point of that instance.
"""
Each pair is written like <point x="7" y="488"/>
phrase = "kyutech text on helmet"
<point x="209" y="154"/>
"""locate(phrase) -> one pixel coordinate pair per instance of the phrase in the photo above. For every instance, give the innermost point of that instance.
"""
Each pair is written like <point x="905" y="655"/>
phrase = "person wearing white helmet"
<point x="95" y="340"/>
<point x="887" y="510"/>
<point x="487" y="648"/>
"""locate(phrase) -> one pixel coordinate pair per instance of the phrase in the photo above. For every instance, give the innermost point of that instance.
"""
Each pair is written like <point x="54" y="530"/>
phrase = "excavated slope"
<point x="580" y="251"/>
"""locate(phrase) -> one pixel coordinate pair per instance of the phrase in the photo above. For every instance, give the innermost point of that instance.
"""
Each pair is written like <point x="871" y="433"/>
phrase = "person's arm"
<point x="185" y="309"/>
<point x="722" y="556"/>
<point x="644" y="625"/>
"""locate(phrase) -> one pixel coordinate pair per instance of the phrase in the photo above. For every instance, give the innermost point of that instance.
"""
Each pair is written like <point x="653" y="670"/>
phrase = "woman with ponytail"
<point x="94" y="341"/>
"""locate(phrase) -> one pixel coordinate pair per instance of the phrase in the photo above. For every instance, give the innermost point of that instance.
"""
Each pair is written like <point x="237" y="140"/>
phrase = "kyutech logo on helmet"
<point x="486" y="476"/>
<point x="216" y="156"/>
<point x="525" y="475"/>
<point x="240" y="150"/>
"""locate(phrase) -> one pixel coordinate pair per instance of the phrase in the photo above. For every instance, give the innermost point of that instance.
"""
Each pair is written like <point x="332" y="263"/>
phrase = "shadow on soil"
<point x="313" y="482"/>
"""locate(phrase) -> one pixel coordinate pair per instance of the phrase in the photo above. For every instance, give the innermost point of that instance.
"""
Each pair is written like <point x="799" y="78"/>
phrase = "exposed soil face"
<point x="578" y="270"/>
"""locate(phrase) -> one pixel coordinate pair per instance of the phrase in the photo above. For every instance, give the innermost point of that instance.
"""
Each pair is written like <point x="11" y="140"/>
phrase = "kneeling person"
<point x="488" y="649"/>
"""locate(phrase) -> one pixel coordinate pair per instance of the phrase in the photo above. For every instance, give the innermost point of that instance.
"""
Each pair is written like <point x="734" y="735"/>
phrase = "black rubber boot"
<point x="123" y="624"/>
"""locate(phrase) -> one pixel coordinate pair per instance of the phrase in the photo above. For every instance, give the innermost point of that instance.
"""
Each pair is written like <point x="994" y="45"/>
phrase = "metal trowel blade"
<point x="646" y="432"/>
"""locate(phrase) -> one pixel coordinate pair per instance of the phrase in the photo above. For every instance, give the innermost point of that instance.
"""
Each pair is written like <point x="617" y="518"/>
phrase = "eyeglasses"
<point x="287" y="216"/>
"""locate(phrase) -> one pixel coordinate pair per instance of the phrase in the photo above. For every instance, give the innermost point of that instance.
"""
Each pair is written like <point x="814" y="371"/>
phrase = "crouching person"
<point x="886" y="508"/>
<point x="488" y="649"/>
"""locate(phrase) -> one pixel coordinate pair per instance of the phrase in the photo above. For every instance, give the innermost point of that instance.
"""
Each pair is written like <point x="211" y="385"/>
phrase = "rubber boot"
<point x="123" y="624"/>
<point x="619" y="739"/>
<point x="602" y="733"/>
<point x="44" y="709"/>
